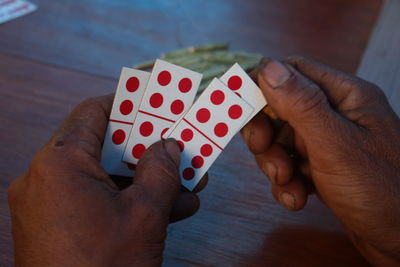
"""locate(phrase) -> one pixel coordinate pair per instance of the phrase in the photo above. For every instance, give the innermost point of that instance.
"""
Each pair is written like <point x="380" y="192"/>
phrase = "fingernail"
<point x="270" y="170"/>
<point x="288" y="200"/>
<point x="275" y="74"/>
<point x="172" y="147"/>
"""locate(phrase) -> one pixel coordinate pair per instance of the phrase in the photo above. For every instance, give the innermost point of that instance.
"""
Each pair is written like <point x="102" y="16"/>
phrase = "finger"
<point x="285" y="136"/>
<point x="202" y="184"/>
<point x="354" y="98"/>
<point x="157" y="175"/>
<point x="186" y="204"/>
<point x="344" y="91"/>
<point x="86" y="126"/>
<point x="297" y="100"/>
<point x="258" y="133"/>
<point x="254" y="72"/>
<point x="276" y="164"/>
<point x="254" y="76"/>
<point x="293" y="195"/>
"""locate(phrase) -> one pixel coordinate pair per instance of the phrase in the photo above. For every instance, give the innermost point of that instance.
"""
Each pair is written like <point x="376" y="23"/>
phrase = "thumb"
<point x="157" y="175"/>
<point x="295" y="98"/>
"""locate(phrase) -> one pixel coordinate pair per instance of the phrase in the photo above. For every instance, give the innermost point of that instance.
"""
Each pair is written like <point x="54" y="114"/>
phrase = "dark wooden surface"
<point x="69" y="50"/>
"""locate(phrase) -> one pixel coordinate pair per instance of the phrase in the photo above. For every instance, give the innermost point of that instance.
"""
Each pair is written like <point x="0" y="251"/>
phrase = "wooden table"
<point x="69" y="50"/>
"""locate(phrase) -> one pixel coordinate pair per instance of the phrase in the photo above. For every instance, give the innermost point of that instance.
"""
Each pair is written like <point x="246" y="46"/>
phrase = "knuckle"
<point x="363" y="90"/>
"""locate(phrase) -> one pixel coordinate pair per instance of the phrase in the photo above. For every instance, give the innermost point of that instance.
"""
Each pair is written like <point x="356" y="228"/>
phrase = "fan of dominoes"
<point x="151" y="106"/>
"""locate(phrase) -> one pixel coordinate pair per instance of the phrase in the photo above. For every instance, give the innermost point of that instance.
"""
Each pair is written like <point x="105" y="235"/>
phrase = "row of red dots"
<point x="221" y="129"/>
<point x="131" y="85"/>
<point x="197" y="161"/>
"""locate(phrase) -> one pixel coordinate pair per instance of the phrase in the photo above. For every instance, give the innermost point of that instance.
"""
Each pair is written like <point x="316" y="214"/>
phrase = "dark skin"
<point x="66" y="202"/>
<point x="344" y="140"/>
<point x="335" y="136"/>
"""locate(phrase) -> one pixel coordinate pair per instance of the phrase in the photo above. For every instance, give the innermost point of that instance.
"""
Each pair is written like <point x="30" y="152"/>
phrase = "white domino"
<point x="238" y="81"/>
<point x="128" y="96"/>
<point x="169" y="94"/>
<point x="207" y="128"/>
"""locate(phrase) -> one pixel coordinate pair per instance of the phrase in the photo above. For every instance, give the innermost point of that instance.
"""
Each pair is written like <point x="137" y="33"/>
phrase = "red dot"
<point x="146" y="128"/>
<point x="206" y="150"/>
<point x="217" y="97"/>
<point x="185" y="85"/>
<point x="126" y="107"/>
<point x="138" y="150"/>
<point x="188" y="174"/>
<point x="221" y="129"/>
<point x="118" y="137"/>
<point x="187" y="135"/>
<point x="132" y="166"/>
<point x="235" y="112"/>
<point x="197" y="162"/>
<point x="203" y="115"/>
<point x="163" y="132"/>
<point x="177" y="107"/>
<point x="156" y="100"/>
<point x="181" y="145"/>
<point x="164" y="78"/>
<point x="132" y="84"/>
<point x="235" y="82"/>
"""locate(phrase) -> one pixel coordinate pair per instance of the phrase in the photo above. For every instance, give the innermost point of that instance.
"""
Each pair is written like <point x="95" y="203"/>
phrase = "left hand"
<point x="336" y="135"/>
<point x="66" y="211"/>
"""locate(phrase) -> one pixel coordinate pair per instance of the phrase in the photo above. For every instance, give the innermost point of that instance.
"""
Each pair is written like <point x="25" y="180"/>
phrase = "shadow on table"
<point x="306" y="247"/>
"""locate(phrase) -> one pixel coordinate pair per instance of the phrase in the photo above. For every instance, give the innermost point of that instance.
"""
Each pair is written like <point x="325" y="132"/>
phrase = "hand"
<point x="340" y="139"/>
<point x="66" y="211"/>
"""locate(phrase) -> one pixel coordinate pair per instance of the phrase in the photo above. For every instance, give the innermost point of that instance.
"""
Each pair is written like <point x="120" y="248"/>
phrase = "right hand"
<point x="346" y="147"/>
<point x="66" y="211"/>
